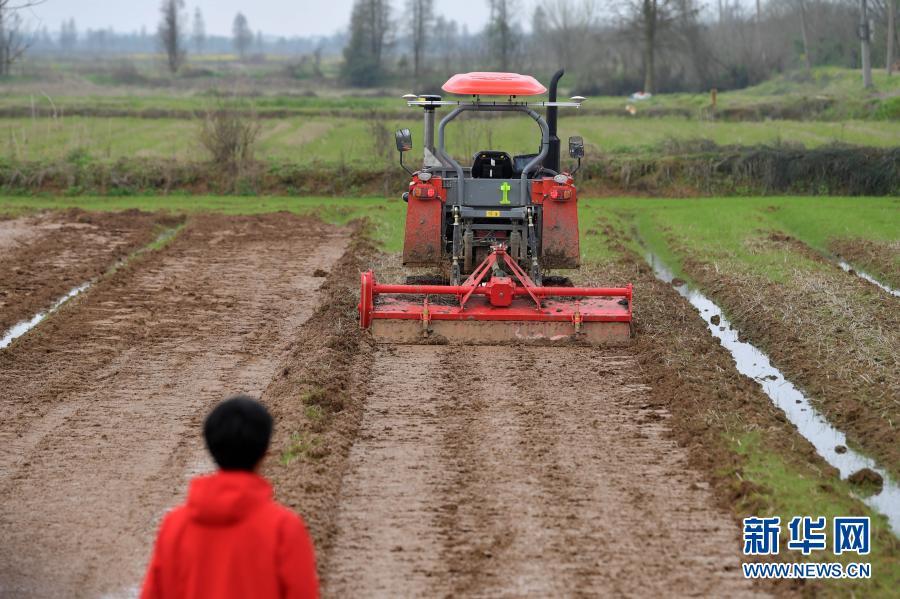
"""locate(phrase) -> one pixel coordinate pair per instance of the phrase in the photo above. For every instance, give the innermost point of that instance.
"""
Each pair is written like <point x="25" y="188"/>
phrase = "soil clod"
<point x="867" y="479"/>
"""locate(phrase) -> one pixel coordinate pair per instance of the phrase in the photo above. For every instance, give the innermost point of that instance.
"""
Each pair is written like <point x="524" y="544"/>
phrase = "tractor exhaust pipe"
<point x="429" y="155"/>
<point x="552" y="160"/>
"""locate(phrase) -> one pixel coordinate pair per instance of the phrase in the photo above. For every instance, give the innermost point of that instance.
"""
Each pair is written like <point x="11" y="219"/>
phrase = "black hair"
<point x="237" y="433"/>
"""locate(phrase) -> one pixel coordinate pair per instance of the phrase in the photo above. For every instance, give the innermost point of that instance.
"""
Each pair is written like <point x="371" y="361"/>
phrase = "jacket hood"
<point x="226" y="497"/>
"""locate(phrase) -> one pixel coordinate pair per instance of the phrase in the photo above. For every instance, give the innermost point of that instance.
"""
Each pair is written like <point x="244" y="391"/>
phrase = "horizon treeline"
<point x="609" y="47"/>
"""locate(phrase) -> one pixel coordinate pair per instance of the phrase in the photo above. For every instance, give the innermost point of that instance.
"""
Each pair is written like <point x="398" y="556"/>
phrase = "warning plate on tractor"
<point x="492" y="213"/>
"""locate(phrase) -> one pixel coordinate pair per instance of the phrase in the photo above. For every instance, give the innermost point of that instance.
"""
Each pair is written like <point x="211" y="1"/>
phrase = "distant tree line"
<point x="606" y="46"/>
<point x="614" y="46"/>
<point x="70" y="40"/>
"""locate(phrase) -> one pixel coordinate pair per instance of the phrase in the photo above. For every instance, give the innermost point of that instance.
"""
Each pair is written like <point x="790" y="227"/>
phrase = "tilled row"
<point x="44" y="256"/>
<point x="103" y="402"/>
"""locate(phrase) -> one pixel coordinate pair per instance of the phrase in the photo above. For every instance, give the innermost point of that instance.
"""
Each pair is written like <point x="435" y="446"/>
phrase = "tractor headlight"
<point x="561" y="179"/>
<point x="424" y="176"/>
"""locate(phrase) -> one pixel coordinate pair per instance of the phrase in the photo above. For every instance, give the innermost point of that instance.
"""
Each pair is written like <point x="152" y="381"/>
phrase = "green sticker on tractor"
<point x="504" y="187"/>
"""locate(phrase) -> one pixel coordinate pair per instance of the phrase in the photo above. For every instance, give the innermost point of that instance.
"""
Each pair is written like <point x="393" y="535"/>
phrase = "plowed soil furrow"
<point x="516" y="471"/>
<point x="42" y="257"/>
<point x="386" y="542"/>
<point x="102" y="405"/>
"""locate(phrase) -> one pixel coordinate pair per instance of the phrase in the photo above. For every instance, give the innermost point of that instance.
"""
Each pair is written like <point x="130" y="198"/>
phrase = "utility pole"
<point x="891" y="33"/>
<point x="805" y="36"/>
<point x="759" y="44"/>
<point x="864" y="37"/>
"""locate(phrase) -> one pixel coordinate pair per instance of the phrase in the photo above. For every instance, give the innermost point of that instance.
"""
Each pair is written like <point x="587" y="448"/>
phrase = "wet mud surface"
<point x="103" y="402"/>
<point x="522" y="471"/>
<point x="44" y="256"/>
<point x="421" y="470"/>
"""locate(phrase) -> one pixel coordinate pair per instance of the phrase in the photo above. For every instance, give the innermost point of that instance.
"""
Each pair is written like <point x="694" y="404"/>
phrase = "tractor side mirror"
<point x="404" y="144"/>
<point x="576" y="147"/>
<point x="404" y="140"/>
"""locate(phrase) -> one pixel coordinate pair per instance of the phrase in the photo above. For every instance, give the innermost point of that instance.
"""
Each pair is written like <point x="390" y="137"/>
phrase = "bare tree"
<point x="198" y="36"/>
<point x="68" y="35"/>
<point x="242" y="36"/>
<point x="171" y="33"/>
<point x="804" y="34"/>
<point x="446" y="41"/>
<point x="649" y="16"/>
<point x="14" y="41"/>
<point x="891" y="36"/>
<point x="370" y="25"/>
<point x="566" y="26"/>
<point x="230" y="135"/>
<point x="865" y="37"/>
<point x="501" y="38"/>
<point x="317" y="59"/>
<point x="422" y="13"/>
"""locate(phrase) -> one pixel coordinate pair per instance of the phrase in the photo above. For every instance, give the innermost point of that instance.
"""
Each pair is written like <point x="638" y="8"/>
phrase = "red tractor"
<point x="496" y="226"/>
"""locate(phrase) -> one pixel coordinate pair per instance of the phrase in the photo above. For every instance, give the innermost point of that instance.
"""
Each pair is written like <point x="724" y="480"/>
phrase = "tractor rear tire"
<point x="515" y="246"/>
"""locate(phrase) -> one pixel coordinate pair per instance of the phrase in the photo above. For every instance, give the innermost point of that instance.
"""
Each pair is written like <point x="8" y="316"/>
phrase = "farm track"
<point x="408" y="408"/>
<point x="832" y="333"/>
<point x="468" y="480"/>
<point x="102" y="403"/>
<point x="44" y="256"/>
<point x="435" y="470"/>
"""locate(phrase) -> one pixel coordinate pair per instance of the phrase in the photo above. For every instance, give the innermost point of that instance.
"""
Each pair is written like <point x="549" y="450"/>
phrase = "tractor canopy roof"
<point x="494" y="84"/>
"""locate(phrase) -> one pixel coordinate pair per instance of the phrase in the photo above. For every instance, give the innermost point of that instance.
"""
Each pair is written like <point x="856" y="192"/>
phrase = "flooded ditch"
<point x="23" y="327"/>
<point x="867" y="277"/>
<point x="829" y="442"/>
<point x="16" y="331"/>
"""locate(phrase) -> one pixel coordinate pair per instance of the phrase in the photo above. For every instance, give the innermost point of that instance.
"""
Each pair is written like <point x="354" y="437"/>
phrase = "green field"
<point x="842" y="86"/>
<point x="719" y="226"/>
<point x="726" y="229"/>
<point x="369" y="142"/>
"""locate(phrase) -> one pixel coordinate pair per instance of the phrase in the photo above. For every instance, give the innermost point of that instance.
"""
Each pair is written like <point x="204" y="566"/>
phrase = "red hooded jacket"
<point x="231" y="539"/>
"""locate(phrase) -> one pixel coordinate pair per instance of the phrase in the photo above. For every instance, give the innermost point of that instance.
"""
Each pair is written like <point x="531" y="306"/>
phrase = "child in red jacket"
<point x="231" y="539"/>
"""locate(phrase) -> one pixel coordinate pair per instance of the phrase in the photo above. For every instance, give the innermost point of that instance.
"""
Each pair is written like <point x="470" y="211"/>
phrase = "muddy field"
<point x="421" y="470"/>
<point x="42" y="257"/>
<point x="102" y="405"/>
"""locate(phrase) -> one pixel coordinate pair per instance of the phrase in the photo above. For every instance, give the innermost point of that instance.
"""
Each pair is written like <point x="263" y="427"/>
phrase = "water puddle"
<point x="23" y="327"/>
<point x="866" y="276"/>
<point x="809" y="422"/>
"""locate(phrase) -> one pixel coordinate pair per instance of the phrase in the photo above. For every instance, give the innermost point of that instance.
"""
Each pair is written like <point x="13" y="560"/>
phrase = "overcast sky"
<point x="274" y="17"/>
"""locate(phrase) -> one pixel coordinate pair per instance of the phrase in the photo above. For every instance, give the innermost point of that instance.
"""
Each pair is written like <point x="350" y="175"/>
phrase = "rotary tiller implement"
<point x="497" y="225"/>
<point x="507" y="307"/>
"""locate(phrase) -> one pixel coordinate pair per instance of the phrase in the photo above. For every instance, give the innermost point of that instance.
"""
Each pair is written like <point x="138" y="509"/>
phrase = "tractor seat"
<point x="490" y="164"/>
<point x="521" y="161"/>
